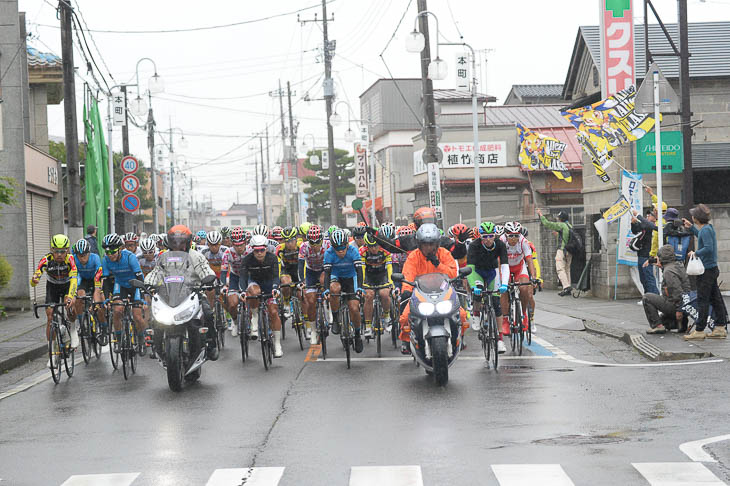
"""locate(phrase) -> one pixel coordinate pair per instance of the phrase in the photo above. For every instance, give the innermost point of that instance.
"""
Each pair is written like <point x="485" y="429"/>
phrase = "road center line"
<point x="386" y="476"/>
<point x="694" y="449"/>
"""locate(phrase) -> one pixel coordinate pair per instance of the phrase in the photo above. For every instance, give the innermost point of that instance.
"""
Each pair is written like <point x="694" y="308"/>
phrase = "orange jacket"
<point x="417" y="265"/>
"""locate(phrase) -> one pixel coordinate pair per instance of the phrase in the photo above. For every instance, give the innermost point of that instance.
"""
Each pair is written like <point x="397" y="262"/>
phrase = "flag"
<point x="608" y="124"/>
<point x="97" y="172"/>
<point x="618" y="209"/>
<point x="538" y="151"/>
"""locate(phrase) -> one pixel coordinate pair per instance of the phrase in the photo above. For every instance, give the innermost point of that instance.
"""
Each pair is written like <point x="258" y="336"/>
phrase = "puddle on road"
<point x="528" y="369"/>
<point x="570" y="440"/>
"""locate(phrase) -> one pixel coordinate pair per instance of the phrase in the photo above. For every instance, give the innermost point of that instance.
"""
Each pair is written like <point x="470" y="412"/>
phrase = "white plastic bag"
<point x="695" y="266"/>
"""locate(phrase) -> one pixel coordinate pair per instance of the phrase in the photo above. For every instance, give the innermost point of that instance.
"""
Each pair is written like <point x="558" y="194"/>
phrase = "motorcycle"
<point x="435" y="322"/>
<point x="180" y="337"/>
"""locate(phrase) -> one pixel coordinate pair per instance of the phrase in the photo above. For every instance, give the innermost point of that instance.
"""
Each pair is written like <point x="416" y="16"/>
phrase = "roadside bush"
<point x="6" y="272"/>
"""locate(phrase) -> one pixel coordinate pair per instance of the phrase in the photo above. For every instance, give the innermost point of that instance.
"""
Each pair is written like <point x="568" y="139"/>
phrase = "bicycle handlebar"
<point x="43" y="306"/>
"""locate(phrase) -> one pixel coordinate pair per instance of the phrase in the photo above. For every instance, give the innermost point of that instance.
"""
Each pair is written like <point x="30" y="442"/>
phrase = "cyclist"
<point x="288" y="254"/>
<point x="486" y="256"/>
<point x="263" y="230"/>
<point x="358" y="234"/>
<point x="119" y="266"/>
<point x="60" y="268"/>
<point x="378" y="268"/>
<point x="148" y="259"/>
<point x="231" y="271"/>
<point x="399" y="259"/>
<point x="131" y="243"/>
<point x="538" y="272"/>
<point x="260" y="274"/>
<point x="327" y="236"/>
<point x="521" y="266"/>
<point x="303" y="230"/>
<point x="226" y="234"/>
<point x="429" y="257"/>
<point x="310" y="271"/>
<point x="342" y="275"/>
<point x="88" y="266"/>
<point x="202" y="240"/>
<point x="459" y="235"/>
<point x="276" y="234"/>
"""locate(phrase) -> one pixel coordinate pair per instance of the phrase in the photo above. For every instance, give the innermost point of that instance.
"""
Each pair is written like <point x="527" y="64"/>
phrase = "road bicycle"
<point x="347" y="333"/>
<point x="377" y="317"/>
<point x="488" y="333"/>
<point x="129" y="347"/>
<point x="266" y="335"/>
<point x="516" y="317"/>
<point x="59" y="341"/>
<point x="90" y="332"/>
<point x="295" y="312"/>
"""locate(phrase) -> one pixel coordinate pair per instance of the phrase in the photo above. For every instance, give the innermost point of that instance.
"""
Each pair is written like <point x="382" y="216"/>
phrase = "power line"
<point x="93" y="41"/>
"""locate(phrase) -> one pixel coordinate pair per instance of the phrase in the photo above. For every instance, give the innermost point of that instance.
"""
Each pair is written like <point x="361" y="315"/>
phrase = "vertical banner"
<point x="631" y="190"/>
<point x="361" y="171"/>
<point x="118" y="109"/>
<point x="434" y="189"/>
<point x="617" y="46"/>
<point x="325" y="159"/>
<point x="462" y="71"/>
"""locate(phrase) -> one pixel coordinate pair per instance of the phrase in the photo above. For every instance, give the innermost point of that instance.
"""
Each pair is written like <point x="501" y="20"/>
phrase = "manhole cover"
<point x="581" y="440"/>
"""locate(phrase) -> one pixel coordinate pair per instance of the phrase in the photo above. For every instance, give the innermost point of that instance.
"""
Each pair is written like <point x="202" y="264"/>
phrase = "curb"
<point x="22" y="357"/>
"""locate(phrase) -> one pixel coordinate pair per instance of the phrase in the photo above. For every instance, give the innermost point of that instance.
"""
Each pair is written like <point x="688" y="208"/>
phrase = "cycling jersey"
<point x="485" y="262"/>
<point x="147" y="265"/>
<point x="59" y="274"/>
<point x="215" y="260"/>
<point x="231" y="264"/>
<point x="123" y="270"/>
<point x="378" y="267"/>
<point x="535" y="261"/>
<point x="314" y="260"/>
<point x="516" y="254"/>
<point x="254" y="271"/>
<point x="288" y="258"/>
<point x="89" y="272"/>
<point x="345" y="267"/>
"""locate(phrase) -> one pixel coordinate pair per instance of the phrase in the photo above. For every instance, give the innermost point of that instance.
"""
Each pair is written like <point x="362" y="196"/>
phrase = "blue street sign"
<point x="130" y="203"/>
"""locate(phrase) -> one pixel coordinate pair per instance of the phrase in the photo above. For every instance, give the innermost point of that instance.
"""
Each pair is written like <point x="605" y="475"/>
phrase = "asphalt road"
<point x="550" y="417"/>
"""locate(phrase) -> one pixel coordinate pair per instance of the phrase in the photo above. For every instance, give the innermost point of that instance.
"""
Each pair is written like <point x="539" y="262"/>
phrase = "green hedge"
<point x="6" y="272"/>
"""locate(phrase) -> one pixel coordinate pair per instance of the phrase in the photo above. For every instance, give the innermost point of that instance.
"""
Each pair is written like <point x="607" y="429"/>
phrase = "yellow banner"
<point x="619" y="208"/>
<point x="538" y="151"/>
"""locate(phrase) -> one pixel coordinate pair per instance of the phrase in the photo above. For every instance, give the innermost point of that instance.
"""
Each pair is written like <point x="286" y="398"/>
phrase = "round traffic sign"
<point x="130" y="203"/>
<point x="357" y="204"/>
<point x="129" y="165"/>
<point x="130" y="183"/>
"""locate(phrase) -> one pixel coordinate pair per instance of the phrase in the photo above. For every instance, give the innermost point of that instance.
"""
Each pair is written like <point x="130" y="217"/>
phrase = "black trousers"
<point x="708" y="292"/>
<point x="653" y="303"/>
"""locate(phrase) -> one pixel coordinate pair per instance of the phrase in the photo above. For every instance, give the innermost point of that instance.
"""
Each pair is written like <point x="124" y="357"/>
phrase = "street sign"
<point x="130" y="165"/>
<point x="118" y="109"/>
<point x="462" y="70"/>
<point x="434" y="189"/>
<point x="672" y="153"/>
<point x="617" y="46"/>
<point x="130" y="203"/>
<point x="668" y="99"/>
<point x="325" y="159"/>
<point x="357" y="204"/>
<point x="130" y="183"/>
<point x="361" y="171"/>
<point x="364" y="134"/>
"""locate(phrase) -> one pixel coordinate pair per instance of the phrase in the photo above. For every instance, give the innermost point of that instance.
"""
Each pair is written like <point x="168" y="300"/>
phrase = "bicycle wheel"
<point x="54" y="352"/>
<point x="529" y="329"/>
<point x="114" y="343"/>
<point x="264" y="333"/>
<point x="377" y="326"/>
<point x="220" y="324"/>
<point x="514" y="309"/>
<point x="242" y="333"/>
<point x="124" y="349"/>
<point x="519" y="331"/>
<point x="322" y="329"/>
<point x="134" y="345"/>
<point x="297" y="321"/>
<point x="493" y="338"/>
<point x="68" y="357"/>
<point x="95" y="336"/>
<point x="85" y="338"/>
<point x="484" y="336"/>
<point x="346" y="333"/>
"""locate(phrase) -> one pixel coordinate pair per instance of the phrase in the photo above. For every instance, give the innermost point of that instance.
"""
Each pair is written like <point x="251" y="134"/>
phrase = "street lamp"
<point x="437" y="69"/>
<point x="415" y="42"/>
<point x="155" y="85"/>
<point x="349" y="136"/>
<point x="138" y="106"/>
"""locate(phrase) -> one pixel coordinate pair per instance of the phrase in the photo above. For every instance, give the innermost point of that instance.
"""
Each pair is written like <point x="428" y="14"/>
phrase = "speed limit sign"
<point x="130" y="165"/>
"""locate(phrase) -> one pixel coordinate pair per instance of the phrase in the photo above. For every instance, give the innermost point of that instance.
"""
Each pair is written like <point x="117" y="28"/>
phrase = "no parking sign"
<point x="130" y="203"/>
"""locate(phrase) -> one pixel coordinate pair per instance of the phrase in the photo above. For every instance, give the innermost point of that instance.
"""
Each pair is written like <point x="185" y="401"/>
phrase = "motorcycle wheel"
<point x="175" y="369"/>
<point x="440" y="360"/>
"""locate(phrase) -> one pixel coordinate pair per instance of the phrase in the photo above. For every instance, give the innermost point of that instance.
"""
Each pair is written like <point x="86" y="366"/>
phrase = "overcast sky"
<point x="217" y="81"/>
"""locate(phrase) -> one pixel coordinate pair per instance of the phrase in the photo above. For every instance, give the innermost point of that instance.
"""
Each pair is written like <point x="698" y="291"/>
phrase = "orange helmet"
<point x="424" y="215"/>
<point x="179" y="238"/>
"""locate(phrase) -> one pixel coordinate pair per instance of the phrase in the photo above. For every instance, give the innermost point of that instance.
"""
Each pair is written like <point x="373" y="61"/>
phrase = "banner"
<point x="619" y="208"/>
<point x="460" y="154"/>
<point x="538" y="151"/>
<point x="361" y="171"/>
<point x="617" y="46"/>
<point x="608" y="124"/>
<point x="631" y="190"/>
<point x="462" y="70"/>
<point x="97" y="173"/>
<point x="434" y="189"/>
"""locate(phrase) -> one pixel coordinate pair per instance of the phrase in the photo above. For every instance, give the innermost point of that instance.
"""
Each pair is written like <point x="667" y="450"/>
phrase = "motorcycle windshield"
<point x="177" y="276"/>
<point x="432" y="283"/>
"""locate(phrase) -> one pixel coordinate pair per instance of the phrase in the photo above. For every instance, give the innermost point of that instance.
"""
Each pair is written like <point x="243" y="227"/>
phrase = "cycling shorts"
<point x="292" y="271"/>
<point x="55" y="293"/>
<point x="131" y="294"/>
<point x="266" y="288"/>
<point x="312" y="279"/>
<point x="375" y="280"/>
<point x="519" y="270"/>
<point x="347" y="286"/>
<point x="488" y="277"/>
<point x="234" y="284"/>
<point x="87" y="285"/>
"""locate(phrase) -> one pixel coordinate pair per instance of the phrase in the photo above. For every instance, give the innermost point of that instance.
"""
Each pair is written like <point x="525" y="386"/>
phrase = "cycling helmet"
<point x="475" y="232"/>
<point x="164" y="241"/>
<point x="179" y="238"/>
<point x="523" y="231"/>
<point x="498" y="229"/>
<point x="314" y="235"/>
<point x="276" y="233"/>
<point x="289" y="233"/>
<point x="202" y="234"/>
<point x="338" y="238"/>
<point x="428" y="233"/>
<point x="359" y="231"/>
<point x="154" y="237"/>
<point x="238" y="236"/>
<point x="131" y="236"/>
<point x="147" y="245"/>
<point x="196" y="239"/>
<point x="424" y="215"/>
<point x="487" y="228"/>
<point x="248" y="235"/>
<point x="387" y="231"/>
<point x="348" y="235"/>
<point x="214" y="238"/>
<point x="304" y="228"/>
<point x="259" y="242"/>
<point x="512" y="227"/>
<point x="82" y="247"/>
<point x="459" y="231"/>
<point x="261" y="229"/>
<point x="226" y="231"/>
<point x="111" y="241"/>
<point x="370" y="240"/>
<point x="405" y="231"/>
<point x="332" y="229"/>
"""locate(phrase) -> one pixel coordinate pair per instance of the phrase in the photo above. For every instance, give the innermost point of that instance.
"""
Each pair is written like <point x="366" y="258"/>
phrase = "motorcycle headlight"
<point x="426" y="308"/>
<point x="161" y="312"/>
<point x="186" y="314"/>
<point x="444" y="307"/>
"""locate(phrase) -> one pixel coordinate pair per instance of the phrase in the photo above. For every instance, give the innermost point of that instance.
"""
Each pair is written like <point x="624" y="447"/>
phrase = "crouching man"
<point x="669" y="302"/>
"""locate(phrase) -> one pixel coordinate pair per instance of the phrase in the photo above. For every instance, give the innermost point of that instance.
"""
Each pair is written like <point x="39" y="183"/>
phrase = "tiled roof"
<point x="538" y="90"/>
<point x="459" y="95"/>
<point x="301" y="170"/>
<point x="37" y="58"/>
<point x="530" y="116"/>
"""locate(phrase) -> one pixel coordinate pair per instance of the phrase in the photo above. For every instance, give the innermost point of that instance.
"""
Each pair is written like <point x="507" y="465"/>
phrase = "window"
<point x="215" y="222"/>
<point x="235" y="222"/>
<point x="576" y="214"/>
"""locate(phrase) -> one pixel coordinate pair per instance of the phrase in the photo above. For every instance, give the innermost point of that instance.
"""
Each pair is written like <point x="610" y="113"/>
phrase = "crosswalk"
<point x="654" y="474"/>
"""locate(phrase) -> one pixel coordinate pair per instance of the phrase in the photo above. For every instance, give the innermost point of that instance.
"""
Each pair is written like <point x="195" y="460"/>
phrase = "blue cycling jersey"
<point x="123" y="270"/>
<point x="343" y="267"/>
<point x="88" y="271"/>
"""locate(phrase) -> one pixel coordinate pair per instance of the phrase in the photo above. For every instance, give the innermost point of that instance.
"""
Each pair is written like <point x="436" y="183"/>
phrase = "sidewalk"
<point x="625" y="320"/>
<point x="22" y="338"/>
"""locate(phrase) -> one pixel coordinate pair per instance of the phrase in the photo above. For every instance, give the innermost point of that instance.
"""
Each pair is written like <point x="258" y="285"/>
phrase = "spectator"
<point x="91" y="238"/>
<point x="669" y="303"/>
<point x="646" y="227"/>
<point x="655" y="235"/>
<point x="562" y="257"/>
<point x="708" y="291"/>
<point x="677" y="235"/>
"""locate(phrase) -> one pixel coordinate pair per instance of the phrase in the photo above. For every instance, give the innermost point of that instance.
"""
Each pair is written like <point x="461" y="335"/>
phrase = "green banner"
<point x="672" y="153"/>
<point x="97" y="173"/>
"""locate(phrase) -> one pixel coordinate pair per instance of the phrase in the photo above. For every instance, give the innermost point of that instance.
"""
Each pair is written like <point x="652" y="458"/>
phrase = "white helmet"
<point x="512" y="227"/>
<point x="261" y="229"/>
<point x="148" y="245"/>
<point x="259" y="241"/>
<point x="214" y="238"/>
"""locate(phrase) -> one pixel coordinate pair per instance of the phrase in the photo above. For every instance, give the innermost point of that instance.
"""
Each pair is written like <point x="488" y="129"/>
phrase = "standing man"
<point x="562" y="257"/>
<point x="646" y="228"/>
<point x="91" y="238"/>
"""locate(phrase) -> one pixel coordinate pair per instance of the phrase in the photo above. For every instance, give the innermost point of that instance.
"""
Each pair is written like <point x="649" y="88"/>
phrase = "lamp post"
<point x="415" y="42"/>
<point x="313" y="159"/>
<point x="183" y="145"/>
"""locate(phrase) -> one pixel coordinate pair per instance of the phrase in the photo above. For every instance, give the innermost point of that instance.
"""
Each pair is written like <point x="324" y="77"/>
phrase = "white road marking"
<point x="252" y="476"/>
<point x="531" y="475"/>
<point x="120" y="479"/>
<point x="39" y="377"/>
<point x="677" y="474"/>
<point x="559" y="353"/>
<point x="386" y="476"/>
<point x="694" y="449"/>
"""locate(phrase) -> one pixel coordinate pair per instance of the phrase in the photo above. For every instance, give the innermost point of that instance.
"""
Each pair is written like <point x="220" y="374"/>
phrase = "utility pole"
<point x="268" y="171"/>
<point x="293" y="155"/>
<point x="172" y="179"/>
<point x="125" y="146"/>
<point x="329" y="92"/>
<point x="264" y="178"/>
<point x="285" y="160"/>
<point x="151" y="145"/>
<point x="72" y="136"/>
<point x="429" y="155"/>
<point x="256" y="164"/>
<point x="192" y="205"/>
<point x="686" y="112"/>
